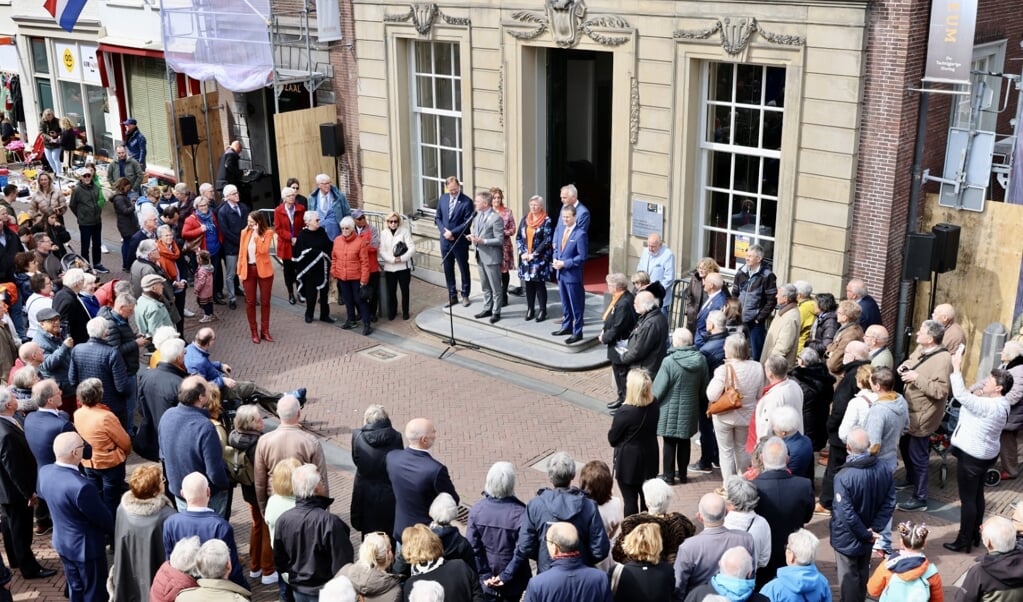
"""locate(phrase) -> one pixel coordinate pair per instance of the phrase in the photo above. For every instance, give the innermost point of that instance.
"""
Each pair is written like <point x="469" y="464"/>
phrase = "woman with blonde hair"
<point x="424" y="552"/>
<point x="48" y="198"/>
<point x="49" y="129"/>
<point x="849" y="330"/>
<point x="508" y="252"/>
<point x="633" y="435"/>
<point x="645" y="576"/>
<point x="395" y="255"/>
<point x="138" y="535"/>
<point x="282" y="500"/>
<point x="369" y="574"/>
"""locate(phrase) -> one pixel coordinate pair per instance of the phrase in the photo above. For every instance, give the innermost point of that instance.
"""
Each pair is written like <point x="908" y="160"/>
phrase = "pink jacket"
<point x="168" y="583"/>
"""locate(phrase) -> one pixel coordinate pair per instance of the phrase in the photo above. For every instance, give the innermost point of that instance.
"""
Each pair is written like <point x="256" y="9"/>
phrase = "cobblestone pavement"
<point x="485" y="407"/>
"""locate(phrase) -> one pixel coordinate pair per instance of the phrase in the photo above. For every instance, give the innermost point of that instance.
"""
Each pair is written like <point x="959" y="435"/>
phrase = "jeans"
<point x="130" y="400"/>
<point x="300" y="597"/>
<point x="53" y="158"/>
<point x="91" y="237"/>
<point x="916" y="455"/>
<point x="757" y="334"/>
<point x="230" y="269"/>
<point x="110" y="482"/>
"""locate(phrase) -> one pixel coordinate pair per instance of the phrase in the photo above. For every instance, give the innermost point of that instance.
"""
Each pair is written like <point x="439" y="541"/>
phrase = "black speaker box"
<point x="946" y="247"/>
<point x="919" y="250"/>
<point x="189" y="130"/>
<point x="332" y="139"/>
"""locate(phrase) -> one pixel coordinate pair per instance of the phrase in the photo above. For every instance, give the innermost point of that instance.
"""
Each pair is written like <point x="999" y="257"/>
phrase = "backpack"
<point x="917" y="590"/>
<point x="239" y="466"/>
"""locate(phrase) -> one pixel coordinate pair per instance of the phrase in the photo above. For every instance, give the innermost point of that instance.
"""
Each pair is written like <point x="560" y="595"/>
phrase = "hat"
<point x="356" y="213"/>
<point x="150" y="281"/>
<point x="47" y="313"/>
<point x="130" y="122"/>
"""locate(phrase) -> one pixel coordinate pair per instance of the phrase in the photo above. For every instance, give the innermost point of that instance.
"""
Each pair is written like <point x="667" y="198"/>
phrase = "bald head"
<point x="944" y="313"/>
<point x="67" y="448"/>
<point x="196" y="490"/>
<point x="876" y="336"/>
<point x="289" y="409"/>
<point x="858" y="441"/>
<point x="653" y="243"/>
<point x="420" y="433"/>
<point x="712" y="510"/>
<point x="564" y="537"/>
<point x="31" y="353"/>
<point x="736" y="562"/>
<point x="856" y="350"/>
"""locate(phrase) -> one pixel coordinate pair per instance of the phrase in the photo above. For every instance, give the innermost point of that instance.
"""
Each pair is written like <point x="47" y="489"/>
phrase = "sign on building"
<point x="950" y="41"/>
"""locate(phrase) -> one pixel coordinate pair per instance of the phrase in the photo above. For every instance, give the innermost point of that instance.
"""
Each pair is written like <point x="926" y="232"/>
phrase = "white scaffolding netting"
<point x="223" y="40"/>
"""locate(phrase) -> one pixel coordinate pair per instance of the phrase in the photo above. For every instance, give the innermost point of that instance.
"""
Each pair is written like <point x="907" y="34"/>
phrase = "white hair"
<point x="171" y="350"/>
<point x="183" y="555"/>
<point x="736" y="562"/>
<point x="97" y="327"/>
<point x="147" y="212"/>
<point x="999" y="534"/>
<point x="658" y="494"/>
<point x="443" y="510"/>
<point x="288" y="191"/>
<point x="213" y="559"/>
<point x="288" y="408"/>
<point x="304" y="480"/>
<point x="426" y="591"/>
<point x="500" y="480"/>
<point x="74" y="278"/>
<point x="205" y="186"/>
<point x="717" y="318"/>
<point x="803" y="288"/>
<point x="322" y="178"/>
<point x="803" y="546"/>
<point x="785" y="419"/>
<point x="774" y="454"/>
<point x="310" y="216"/>
<point x="347" y="222"/>
<point x="338" y="589"/>
<point x="681" y="338"/>
<point x="146" y="248"/>
<point x="230" y="189"/>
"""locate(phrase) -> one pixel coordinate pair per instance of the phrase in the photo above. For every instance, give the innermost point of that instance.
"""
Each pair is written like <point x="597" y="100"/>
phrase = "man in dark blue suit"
<point x="715" y="301"/>
<point x="453" y="216"/>
<point x="41" y="430"/>
<point x="82" y="521"/>
<point x="416" y="477"/>
<point x="570" y="198"/>
<point x="570" y="249"/>
<point x="18" y="478"/>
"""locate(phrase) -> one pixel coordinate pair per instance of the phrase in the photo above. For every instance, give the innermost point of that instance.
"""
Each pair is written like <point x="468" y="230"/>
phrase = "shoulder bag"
<point x="731" y="398"/>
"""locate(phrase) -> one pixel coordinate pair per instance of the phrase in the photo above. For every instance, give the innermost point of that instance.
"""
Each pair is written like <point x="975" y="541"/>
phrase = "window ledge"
<point x="125" y="3"/>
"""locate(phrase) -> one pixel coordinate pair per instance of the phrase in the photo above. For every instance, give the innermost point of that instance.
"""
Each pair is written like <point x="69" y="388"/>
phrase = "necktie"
<point x="452" y="199"/>
<point x="564" y="238"/>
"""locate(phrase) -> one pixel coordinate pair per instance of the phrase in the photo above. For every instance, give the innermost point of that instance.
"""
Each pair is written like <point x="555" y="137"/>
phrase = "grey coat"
<point x="679" y="387"/>
<point x="139" y="550"/>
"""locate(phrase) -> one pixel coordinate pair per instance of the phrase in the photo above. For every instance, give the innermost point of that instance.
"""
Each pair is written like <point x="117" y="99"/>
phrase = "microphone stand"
<point x="452" y="341"/>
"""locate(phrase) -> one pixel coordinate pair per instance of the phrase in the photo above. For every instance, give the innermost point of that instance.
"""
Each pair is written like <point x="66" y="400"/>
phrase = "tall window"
<point x="41" y="68"/>
<point x="436" y="91"/>
<point x="742" y="110"/>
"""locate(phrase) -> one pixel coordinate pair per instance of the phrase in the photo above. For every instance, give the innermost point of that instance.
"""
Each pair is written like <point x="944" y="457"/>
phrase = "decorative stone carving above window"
<point x="423" y="15"/>
<point x="736" y="33"/>
<point x="566" y="19"/>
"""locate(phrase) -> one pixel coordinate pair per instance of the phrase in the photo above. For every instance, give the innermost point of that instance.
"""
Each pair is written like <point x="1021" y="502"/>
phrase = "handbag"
<point x="400" y="248"/>
<point x="731" y="398"/>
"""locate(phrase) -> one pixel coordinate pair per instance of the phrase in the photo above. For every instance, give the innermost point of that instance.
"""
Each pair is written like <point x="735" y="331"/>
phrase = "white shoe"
<point x="270" y="579"/>
<point x="104" y="248"/>
<point x="255" y="574"/>
<point x="189" y="313"/>
<point x="205" y="319"/>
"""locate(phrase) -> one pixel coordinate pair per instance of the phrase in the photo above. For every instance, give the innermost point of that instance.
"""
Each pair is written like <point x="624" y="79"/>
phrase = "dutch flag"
<point x="65" y="11"/>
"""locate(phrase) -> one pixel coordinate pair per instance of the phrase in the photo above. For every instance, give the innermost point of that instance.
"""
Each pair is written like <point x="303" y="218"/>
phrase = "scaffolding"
<point x="284" y="37"/>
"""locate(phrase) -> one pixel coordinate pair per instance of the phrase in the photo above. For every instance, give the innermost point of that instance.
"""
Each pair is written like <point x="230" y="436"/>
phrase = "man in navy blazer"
<point x="41" y="430"/>
<point x="571" y="246"/>
<point x="570" y="198"/>
<point x="81" y="521"/>
<point x="416" y="477"/>
<point x="453" y="216"/>
<point x="715" y="301"/>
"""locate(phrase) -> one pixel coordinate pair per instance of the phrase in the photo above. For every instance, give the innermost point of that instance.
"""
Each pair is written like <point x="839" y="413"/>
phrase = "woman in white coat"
<point x="395" y="256"/>
<point x="732" y="427"/>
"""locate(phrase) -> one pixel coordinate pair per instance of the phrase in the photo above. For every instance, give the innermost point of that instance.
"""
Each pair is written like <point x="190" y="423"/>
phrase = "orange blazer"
<point x="264" y="269"/>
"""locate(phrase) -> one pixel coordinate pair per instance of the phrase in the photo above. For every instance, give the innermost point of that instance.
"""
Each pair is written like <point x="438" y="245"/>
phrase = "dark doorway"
<point x="579" y="135"/>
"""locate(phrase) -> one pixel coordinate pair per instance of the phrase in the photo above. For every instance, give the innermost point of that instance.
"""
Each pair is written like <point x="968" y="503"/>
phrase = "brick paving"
<point x="486" y="409"/>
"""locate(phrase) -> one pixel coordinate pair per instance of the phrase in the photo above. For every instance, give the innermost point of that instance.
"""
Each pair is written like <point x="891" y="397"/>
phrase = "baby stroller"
<point x="941" y="443"/>
<point x="74" y="260"/>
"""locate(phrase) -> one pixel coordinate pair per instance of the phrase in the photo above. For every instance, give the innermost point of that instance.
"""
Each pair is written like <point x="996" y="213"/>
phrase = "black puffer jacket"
<point x="757" y="293"/>
<point x="845" y="390"/>
<point x="372" y="496"/>
<point x="818" y="387"/>
<point x="311" y="544"/>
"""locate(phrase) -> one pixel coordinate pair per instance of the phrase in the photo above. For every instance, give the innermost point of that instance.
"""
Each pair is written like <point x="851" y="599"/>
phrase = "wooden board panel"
<point x="298" y="146"/>
<point x="983" y="287"/>
<point x="211" y="140"/>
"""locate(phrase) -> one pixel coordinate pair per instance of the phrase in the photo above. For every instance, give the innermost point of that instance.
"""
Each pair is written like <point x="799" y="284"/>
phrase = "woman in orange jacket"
<point x="350" y="265"/>
<point x="255" y="270"/>
<point x="101" y="429"/>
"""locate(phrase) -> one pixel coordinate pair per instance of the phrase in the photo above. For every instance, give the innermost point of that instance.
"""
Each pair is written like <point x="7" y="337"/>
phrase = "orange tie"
<point x="564" y="239"/>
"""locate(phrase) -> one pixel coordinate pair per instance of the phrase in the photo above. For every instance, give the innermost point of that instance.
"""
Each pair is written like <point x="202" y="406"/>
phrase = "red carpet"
<point x="595" y="274"/>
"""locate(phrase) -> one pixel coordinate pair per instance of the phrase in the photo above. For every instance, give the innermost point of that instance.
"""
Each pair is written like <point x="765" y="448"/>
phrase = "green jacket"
<point x="85" y="204"/>
<point x="681" y="390"/>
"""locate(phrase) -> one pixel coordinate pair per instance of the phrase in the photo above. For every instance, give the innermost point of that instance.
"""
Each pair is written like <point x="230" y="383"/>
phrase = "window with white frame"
<point x="742" y="112"/>
<point x="436" y="94"/>
<point x="987" y="58"/>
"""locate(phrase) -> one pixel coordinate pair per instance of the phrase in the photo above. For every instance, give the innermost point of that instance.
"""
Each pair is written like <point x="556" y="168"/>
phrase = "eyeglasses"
<point x="86" y="176"/>
<point x="392" y="221"/>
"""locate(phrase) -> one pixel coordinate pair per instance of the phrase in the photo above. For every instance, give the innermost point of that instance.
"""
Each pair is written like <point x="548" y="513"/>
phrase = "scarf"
<point x="610" y="306"/>
<point x="169" y="259"/>
<point x="533" y="221"/>
<point x="426" y="567"/>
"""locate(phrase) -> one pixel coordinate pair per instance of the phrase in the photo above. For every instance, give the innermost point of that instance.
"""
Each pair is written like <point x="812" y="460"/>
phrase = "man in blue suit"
<point x="715" y="301"/>
<point x="453" y="216"/>
<point x="416" y="477"/>
<point x="570" y="198"/>
<point x="570" y="249"/>
<point x="41" y="430"/>
<point x="81" y="520"/>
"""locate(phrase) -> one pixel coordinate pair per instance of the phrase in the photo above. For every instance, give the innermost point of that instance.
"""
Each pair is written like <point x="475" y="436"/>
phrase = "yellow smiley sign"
<point x="69" y="60"/>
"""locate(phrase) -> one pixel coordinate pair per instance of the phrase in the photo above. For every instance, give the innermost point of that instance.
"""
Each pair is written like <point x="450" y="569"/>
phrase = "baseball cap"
<point x="356" y="213"/>
<point x="130" y="122"/>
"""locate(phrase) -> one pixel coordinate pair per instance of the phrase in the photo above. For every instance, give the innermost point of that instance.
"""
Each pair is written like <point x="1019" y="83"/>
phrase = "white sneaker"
<point x="189" y="313"/>
<point x="205" y="319"/>
<point x="270" y="579"/>
<point x="104" y="248"/>
<point x="255" y="574"/>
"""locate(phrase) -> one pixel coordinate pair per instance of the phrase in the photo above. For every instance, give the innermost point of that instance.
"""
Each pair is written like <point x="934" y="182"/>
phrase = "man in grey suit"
<point x="487" y="234"/>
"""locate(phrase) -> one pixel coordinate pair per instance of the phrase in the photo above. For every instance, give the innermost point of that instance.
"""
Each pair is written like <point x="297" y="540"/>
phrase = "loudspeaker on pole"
<point x="919" y="252"/>
<point x="332" y="139"/>
<point x="946" y="247"/>
<point x="189" y="130"/>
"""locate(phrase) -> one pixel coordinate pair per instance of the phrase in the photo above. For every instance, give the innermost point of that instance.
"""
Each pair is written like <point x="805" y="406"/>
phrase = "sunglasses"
<point x="86" y="176"/>
<point x="392" y="221"/>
